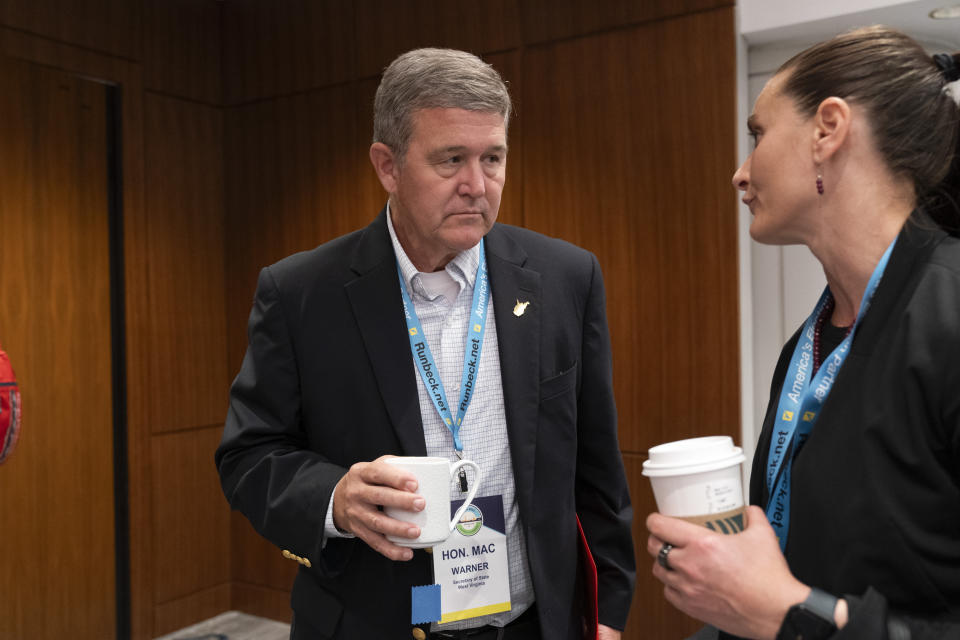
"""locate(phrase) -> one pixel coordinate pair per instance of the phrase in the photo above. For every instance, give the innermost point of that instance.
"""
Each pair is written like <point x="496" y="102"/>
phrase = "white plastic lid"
<point x="694" y="455"/>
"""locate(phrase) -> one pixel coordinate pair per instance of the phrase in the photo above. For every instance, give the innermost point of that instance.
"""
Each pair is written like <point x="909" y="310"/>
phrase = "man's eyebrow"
<point x="438" y="154"/>
<point x="444" y="152"/>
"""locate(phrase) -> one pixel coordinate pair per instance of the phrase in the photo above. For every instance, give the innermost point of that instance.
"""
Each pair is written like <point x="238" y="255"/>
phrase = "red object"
<point x="9" y="408"/>
<point x="588" y="581"/>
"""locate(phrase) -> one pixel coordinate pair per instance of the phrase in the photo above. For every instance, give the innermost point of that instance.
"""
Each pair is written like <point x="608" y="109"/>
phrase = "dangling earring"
<point x="819" y="182"/>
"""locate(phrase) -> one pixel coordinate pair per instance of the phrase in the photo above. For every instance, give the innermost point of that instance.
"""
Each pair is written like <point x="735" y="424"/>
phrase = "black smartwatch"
<point x="812" y="619"/>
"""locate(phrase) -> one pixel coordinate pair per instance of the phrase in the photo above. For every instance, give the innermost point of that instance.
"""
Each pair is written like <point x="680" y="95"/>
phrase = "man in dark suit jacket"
<point x="328" y="387"/>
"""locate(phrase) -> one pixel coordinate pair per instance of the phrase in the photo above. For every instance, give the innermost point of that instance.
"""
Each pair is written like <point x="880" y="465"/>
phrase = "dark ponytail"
<point x="943" y="202"/>
<point x="915" y="120"/>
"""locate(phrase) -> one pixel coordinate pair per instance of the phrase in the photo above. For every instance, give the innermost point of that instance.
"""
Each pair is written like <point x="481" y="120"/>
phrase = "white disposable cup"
<point x="433" y="479"/>
<point x="699" y="480"/>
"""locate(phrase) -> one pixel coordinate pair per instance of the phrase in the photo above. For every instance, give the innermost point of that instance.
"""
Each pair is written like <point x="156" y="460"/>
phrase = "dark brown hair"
<point x="915" y="121"/>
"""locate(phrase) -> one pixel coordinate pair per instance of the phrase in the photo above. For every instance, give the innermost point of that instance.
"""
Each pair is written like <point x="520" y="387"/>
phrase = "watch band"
<point x="811" y="619"/>
<point x="821" y="603"/>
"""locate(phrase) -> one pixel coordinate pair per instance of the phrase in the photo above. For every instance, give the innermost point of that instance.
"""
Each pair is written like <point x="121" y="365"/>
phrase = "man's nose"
<point x="472" y="182"/>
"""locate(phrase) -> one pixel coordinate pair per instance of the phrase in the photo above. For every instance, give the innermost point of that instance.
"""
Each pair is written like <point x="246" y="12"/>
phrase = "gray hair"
<point x="429" y="79"/>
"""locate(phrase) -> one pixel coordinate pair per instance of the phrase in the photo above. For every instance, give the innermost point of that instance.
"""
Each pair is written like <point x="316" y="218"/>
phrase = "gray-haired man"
<point x="330" y="386"/>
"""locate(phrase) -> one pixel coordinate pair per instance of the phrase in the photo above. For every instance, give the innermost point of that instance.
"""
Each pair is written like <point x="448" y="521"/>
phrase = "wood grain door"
<point x="57" y="566"/>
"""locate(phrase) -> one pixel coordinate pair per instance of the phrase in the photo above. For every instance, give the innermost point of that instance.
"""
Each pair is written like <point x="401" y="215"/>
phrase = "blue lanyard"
<point x="801" y="399"/>
<point x="429" y="372"/>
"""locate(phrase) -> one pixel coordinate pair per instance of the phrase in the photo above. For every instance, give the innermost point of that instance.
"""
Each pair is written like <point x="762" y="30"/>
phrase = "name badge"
<point x="472" y="567"/>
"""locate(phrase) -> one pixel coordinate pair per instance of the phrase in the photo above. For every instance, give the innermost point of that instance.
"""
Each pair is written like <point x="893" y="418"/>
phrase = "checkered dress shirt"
<point x="484" y="429"/>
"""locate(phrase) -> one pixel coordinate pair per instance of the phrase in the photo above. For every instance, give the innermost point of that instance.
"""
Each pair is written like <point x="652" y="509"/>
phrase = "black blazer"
<point x="875" y="499"/>
<point x="327" y="381"/>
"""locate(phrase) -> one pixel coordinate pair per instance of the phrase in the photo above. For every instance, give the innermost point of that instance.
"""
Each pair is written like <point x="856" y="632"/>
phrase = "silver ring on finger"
<point x="662" y="558"/>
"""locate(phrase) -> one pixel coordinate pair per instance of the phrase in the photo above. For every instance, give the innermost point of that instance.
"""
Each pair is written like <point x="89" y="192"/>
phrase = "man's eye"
<point x="755" y="138"/>
<point x="453" y="160"/>
<point x="493" y="159"/>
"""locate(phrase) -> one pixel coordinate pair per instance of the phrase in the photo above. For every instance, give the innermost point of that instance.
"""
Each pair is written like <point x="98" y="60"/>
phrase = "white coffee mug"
<point x="433" y="479"/>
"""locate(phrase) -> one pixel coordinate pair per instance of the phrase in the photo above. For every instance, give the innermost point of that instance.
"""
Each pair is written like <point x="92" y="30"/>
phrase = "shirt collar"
<point x="463" y="267"/>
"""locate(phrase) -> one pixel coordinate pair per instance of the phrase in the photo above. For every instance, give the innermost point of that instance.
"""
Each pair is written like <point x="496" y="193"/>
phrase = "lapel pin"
<point x="519" y="308"/>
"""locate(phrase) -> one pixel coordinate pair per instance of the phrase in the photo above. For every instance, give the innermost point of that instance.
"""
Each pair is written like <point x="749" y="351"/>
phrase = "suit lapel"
<point x="518" y="335"/>
<point x="375" y="298"/>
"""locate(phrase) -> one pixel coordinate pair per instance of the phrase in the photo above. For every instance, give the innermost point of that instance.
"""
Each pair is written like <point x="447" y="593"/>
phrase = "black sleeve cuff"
<point x="867" y="617"/>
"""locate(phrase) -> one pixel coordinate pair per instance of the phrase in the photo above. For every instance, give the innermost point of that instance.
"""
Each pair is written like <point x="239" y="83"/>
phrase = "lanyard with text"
<point x="800" y="401"/>
<point x="429" y="372"/>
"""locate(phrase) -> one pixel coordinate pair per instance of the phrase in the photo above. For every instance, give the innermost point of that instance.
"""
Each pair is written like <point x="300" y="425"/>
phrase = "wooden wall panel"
<point x="369" y="191"/>
<point x="188" y="362"/>
<point x="276" y="48"/>
<point x="386" y="28"/>
<point x="179" y="138"/>
<point x="651" y="616"/>
<point x="127" y="76"/>
<point x="643" y="182"/>
<point x="56" y="490"/>
<point x="262" y="601"/>
<point x="698" y="229"/>
<point x="185" y="236"/>
<point x="551" y="20"/>
<point x="109" y="26"/>
<point x="182" y="48"/>
<point x="510" y="67"/>
<point x="190" y="518"/>
<point x="293" y="165"/>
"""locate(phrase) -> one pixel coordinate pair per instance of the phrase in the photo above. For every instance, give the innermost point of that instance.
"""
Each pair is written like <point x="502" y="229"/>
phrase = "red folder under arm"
<point x="588" y="582"/>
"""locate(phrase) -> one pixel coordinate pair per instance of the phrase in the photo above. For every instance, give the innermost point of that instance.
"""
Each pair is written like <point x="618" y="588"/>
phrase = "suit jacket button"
<point x="306" y="563"/>
<point x="419" y="634"/>
<point x="286" y="554"/>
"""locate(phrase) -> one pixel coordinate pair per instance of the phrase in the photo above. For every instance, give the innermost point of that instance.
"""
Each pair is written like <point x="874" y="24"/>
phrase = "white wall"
<point x="757" y="16"/>
<point x="793" y="21"/>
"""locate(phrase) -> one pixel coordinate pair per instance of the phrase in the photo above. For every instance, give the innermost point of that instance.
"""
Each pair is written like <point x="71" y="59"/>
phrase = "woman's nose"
<point x="741" y="177"/>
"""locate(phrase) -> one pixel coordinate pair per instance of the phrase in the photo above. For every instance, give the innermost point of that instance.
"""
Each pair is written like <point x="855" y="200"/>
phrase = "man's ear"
<point x="831" y="128"/>
<point x="385" y="164"/>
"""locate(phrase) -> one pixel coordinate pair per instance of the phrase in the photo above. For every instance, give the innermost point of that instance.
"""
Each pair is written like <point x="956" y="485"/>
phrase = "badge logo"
<point x="471" y="521"/>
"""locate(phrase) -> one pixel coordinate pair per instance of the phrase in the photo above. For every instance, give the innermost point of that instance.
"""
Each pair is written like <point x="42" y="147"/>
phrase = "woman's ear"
<point x="831" y="127"/>
<point x="386" y="165"/>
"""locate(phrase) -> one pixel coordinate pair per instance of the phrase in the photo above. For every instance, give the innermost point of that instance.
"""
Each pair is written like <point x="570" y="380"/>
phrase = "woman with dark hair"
<point x="855" y="528"/>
